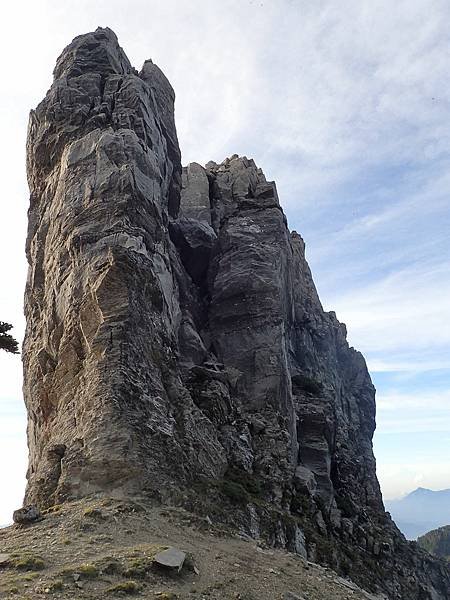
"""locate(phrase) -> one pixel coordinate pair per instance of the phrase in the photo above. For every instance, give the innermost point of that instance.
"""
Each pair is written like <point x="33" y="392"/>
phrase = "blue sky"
<point x="346" y="105"/>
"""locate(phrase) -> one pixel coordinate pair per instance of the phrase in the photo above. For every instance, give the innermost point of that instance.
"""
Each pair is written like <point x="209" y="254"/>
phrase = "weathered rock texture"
<point x="175" y="343"/>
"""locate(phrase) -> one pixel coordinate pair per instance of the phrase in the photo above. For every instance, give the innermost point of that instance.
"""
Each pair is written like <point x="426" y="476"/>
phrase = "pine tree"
<point x="7" y="342"/>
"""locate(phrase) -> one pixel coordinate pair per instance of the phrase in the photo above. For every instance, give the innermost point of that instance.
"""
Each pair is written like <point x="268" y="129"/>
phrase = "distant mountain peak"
<point x="420" y="491"/>
<point x="420" y="511"/>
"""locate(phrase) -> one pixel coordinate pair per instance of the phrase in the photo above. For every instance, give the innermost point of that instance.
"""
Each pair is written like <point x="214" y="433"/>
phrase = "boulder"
<point x="172" y="558"/>
<point x="26" y="515"/>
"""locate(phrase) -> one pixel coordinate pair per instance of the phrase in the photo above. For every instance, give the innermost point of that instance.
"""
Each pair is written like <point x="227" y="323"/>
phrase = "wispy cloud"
<point x="401" y="478"/>
<point x="408" y="310"/>
<point x="405" y="461"/>
<point x="405" y="401"/>
<point x="415" y="363"/>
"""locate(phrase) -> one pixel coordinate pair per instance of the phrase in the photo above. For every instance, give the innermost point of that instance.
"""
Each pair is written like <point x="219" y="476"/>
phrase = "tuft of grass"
<point x="301" y="504"/>
<point x="109" y="566"/>
<point x="56" y="508"/>
<point x="124" y="587"/>
<point x="55" y="586"/>
<point x="139" y="562"/>
<point x="87" y="570"/>
<point x="93" y="513"/>
<point x="137" y="567"/>
<point x="29" y="576"/>
<point x="27" y="562"/>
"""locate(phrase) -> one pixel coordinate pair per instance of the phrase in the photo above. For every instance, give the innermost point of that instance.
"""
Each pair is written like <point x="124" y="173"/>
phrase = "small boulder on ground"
<point x="4" y="560"/>
<point x="172" y="558"/>
<point x="27" y="514"/>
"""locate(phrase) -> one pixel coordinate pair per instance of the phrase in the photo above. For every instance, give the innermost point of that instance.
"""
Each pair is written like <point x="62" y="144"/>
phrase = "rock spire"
<point x="176" y="346"/>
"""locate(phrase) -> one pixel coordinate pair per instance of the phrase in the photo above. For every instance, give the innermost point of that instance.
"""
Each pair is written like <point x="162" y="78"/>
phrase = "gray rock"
<point x="292" y="596"/>
<point x="4" y="560"/>
<point x="320" y="522"/>
<point x="304" y="480"/>
<point x="195" y="193"/>
<point x="346" y="583"/>
<point x="175" y="335"/>
<point x="299" y="543"/>
<point x="194" y="241"/>
<point x="172" y="558"/>
<point x="27" y="514"/>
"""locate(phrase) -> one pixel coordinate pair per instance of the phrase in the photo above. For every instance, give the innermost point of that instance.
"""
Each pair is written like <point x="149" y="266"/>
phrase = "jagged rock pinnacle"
<point x="176" y="345"/>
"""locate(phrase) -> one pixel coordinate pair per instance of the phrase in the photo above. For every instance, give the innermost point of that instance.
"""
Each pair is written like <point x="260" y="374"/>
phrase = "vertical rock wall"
<point x="101" y="301"/>
<point x="176" y="345"/>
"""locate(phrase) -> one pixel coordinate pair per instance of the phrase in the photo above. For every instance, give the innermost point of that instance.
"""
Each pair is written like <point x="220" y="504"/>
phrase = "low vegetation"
<point x="437" y="542"/>
<point x="7" y="342"/>
<point x="123" y="587"/>
<point x="27" y="562"/>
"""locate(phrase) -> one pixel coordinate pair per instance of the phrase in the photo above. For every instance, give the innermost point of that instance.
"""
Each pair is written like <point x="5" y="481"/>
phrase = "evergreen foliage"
<point x="7" y="342"/>
<point x="437" y="542"/>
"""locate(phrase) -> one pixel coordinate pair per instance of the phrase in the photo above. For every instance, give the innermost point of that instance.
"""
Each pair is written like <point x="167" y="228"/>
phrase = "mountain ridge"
<point x="437" y="542"/>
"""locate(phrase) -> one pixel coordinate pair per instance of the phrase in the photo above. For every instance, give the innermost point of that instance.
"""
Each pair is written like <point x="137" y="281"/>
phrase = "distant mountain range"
<point x="420" y="511"/>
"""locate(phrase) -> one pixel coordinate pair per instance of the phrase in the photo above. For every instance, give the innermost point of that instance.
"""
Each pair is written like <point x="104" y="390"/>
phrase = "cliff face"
<point x="176" y="345"/>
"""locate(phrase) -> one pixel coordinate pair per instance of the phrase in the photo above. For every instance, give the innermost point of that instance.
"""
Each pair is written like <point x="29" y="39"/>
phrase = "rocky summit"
<point x="176" y="348"/>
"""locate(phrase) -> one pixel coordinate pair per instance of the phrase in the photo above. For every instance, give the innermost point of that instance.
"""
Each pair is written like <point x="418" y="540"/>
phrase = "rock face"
<point x="176" y="345"/>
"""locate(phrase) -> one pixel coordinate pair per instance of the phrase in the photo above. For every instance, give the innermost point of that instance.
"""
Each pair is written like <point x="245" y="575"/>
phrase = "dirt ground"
<point x="105" y="549"/>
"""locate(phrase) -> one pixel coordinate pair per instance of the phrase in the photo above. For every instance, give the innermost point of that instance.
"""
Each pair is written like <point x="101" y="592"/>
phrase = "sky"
<point x="346" y="106"/>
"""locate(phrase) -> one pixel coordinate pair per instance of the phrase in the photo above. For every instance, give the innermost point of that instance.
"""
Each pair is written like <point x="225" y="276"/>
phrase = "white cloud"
<point x="398" y="479"/>
<point x="420" y="423"/>
<point x="408" y="309"/>
<point x="404" y="401"/>
<point x="412" y="412"/>
<point x="403" y="364"/>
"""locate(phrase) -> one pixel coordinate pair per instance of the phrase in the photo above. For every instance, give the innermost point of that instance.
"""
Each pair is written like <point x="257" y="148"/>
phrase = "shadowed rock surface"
<point x="176" y="345"/>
